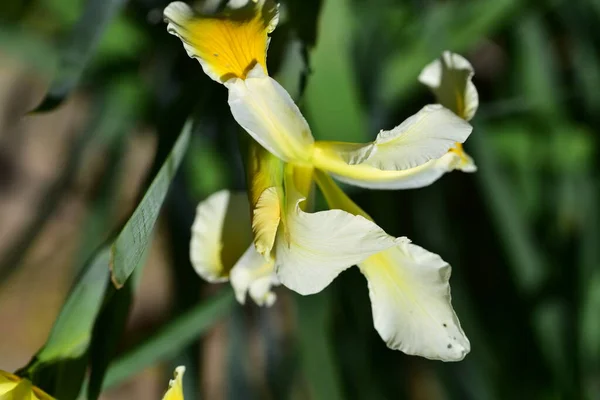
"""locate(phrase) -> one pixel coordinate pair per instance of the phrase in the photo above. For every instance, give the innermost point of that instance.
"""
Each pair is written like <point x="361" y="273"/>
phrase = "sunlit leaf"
<point x="72" y="329"/>
<point x="128" y="249"/>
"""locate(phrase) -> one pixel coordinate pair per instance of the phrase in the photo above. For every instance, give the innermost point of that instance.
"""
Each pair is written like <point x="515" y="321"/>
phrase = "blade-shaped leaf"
<point x="80" y="45"/>
<point x="108" y="331"/>
<point x="72" y="329"/>
<point x="332" y="96"/>
<point x="128" y="249"/>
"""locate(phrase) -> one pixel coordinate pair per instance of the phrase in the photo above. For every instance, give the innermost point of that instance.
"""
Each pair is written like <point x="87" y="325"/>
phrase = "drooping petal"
<point x="254" y="275"/>
<point x="267" y="112"/>
<point x="425" y="136"/>
<point x="450" y="79"/>
<point x="220" y="234"/>
<point x="265" y="180"/>
<point x="410" y="292"/>
<point x="228" y="44"/>
<point x="175" y="391"/>
<point x="313" y="248"/>
<point x="372" y="178"/>
<point x="410" y="298"/>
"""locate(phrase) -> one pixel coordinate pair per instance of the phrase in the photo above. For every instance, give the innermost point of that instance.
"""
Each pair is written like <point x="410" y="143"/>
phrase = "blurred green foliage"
<point x="523" y="233"/>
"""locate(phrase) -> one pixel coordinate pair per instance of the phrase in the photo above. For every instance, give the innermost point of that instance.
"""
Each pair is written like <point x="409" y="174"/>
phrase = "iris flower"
<point x="271" y="237"/>
<point x="13" y="387"/>
<point x="175" y="391"/>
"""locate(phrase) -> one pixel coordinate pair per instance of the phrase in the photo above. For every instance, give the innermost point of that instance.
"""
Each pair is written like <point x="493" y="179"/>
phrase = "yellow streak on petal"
<point x="265" y="220"/>
<point x="265" y="175"/>
<point x="231" y="48"/>
<point x="229" y="44"/>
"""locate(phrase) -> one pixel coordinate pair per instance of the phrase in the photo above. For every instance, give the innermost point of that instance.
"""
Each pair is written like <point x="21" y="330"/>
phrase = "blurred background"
<point x="94" y="93"/>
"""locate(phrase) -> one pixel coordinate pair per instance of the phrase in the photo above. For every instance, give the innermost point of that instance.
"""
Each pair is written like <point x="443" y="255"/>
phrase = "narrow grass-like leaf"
<point x="128" y="249"/>
<point x="171" y="339"/>
<point x="528" y="267"/>
<point x="80" y="45"/>
<point x="537" y="67"/>
<point x="72" y="329"/>
<point x="333" y="100"/>
<point x="108" y="331"/>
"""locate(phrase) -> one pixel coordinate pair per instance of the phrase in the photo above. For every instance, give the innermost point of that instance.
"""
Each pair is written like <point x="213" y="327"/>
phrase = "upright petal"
<point x="220" y="234"/>
<point x="267" y="112"/>
<point x="313" y="248"/>
<point x="450" y="79"/>
<point x="410" y="298"/>
<point x="254" y="275"/>
<point x="265" y="182"/>
<point x="175" y="391"/>
<point x="228" y="44"/>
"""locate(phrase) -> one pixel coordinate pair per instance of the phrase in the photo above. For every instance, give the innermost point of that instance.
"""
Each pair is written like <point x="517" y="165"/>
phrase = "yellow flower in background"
<point x="13" y="387"/>
<point x="274" y="238"/>
<point x="175" y="391"/>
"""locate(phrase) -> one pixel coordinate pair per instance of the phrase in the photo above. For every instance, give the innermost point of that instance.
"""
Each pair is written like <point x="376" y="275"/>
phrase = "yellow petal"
<point x="8" y="382"/>
<point x="265" y="179"/>
<point x="228" y="44"/>
<point x="13" y="387"/>
<point x="175" y="391"/>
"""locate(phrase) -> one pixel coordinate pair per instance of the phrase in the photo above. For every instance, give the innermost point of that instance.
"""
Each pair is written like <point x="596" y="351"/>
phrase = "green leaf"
<point x="128" y="249"/>
<point x="538" y="71"/>
<point x="72" y="330"/>
<point x="316" y="352"/>
<point x="171" y="339"/>
<point x="332" y="96"/>
<point x="79" y="47"/>
<point x="529" y="267"/>
<point x="108" y="331"/>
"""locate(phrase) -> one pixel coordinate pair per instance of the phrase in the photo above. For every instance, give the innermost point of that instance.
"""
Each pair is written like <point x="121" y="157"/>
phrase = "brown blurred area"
<point x="33" y="154"/>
